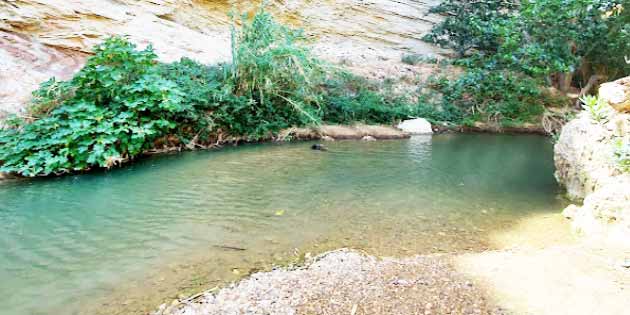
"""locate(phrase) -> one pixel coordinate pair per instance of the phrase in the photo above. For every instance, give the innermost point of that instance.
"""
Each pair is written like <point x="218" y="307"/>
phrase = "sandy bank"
<point x="540" y="269"/>
<point x="348" y="282"/>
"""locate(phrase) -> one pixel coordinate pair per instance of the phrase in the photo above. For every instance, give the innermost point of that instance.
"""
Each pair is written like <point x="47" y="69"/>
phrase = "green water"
<point x="123" y="241"/>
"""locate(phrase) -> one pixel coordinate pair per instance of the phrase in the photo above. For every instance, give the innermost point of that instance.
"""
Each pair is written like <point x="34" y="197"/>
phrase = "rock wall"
<point x="44" y="38"/>
<point x="586" y="166"/>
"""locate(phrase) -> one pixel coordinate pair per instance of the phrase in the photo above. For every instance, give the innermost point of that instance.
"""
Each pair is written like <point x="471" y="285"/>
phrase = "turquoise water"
<point x="123" y="241"/>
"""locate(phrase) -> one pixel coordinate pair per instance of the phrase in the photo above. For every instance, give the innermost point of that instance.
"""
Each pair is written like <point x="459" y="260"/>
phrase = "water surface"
<point x="123" y="241"/>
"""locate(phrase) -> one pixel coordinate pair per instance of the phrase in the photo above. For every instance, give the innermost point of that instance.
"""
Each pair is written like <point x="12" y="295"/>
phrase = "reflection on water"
<point x="183" y="222"/>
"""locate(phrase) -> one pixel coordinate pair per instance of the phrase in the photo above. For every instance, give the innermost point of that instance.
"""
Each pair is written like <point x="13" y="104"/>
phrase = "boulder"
<point x="587" y="167"/>
<point x="604" y="213"/>
<point x="584" y="156"/>
<point x="617" y="94"/>
<point x="418" y="126"/>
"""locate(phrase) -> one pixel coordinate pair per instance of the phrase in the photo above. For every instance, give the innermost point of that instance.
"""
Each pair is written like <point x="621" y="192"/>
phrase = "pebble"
<point x="335" y="281"/>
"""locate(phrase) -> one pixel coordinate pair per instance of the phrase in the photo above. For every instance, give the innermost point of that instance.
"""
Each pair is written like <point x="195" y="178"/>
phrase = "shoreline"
<point x="535" y="257"/>
<point x="359" y="132"/>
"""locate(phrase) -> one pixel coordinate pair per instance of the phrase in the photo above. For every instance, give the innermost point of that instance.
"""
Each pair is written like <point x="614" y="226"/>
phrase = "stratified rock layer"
<point x="44" y="38"/>
<point x="586" y="165"/>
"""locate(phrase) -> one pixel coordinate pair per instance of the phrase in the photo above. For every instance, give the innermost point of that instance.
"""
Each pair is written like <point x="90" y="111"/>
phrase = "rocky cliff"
<point x="44" y="38"/>
<point x="588" y="167"/>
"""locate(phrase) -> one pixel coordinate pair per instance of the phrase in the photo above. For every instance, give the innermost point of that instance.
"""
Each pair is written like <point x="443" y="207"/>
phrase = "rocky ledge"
<point x="588" y="168"/>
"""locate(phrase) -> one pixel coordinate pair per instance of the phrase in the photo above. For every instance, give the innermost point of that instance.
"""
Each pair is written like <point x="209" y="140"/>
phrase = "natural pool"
<point x="124" y="241"/>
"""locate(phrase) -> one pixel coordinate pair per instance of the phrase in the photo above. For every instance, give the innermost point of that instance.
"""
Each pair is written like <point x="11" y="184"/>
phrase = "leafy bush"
<point x="469" y="24"/>
<point x="348" y="98"/>
<point x="488" y="95"/>
<point x="414" y="59"/>
<point x="551" y="39"/>
<point x="595" y="107"/>
<point x="277" y="74"/>
<point x="111" y="111"/>
<point x="123" y="102"/>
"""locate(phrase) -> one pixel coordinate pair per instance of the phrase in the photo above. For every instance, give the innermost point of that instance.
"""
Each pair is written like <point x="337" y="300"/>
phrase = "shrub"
<point x="277" y="74"/>
<point x="109" y="112"/>
<point x="123" y="101"/>
<point x="490" y="95"/>
<point x="414" y="59"/>
<point x="347" y="98"/>
<point x="204" y="88"/>
<point x="469" y="24"/>
<point x="595" y="107"/>
<point x="557" y="40"/>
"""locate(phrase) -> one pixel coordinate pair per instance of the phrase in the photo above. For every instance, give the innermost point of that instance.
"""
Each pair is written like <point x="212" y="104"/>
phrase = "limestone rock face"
<point x="44" y="38"/>
<point x="584" y="156"/>
<point x="586" y="166"/>
<point x="418" y="126"/>
<point x="617" y="94"/>
<point x="606" y="212"/>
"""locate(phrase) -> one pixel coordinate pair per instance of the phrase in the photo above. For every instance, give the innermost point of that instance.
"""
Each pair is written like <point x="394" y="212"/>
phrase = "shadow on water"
<point x="124" y="241"/>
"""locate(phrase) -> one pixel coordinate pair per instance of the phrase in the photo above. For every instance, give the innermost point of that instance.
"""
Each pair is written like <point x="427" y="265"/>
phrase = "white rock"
<point x="586" y="166"/>
<point x="418" y="126"/>
<point x="570" y="211"/>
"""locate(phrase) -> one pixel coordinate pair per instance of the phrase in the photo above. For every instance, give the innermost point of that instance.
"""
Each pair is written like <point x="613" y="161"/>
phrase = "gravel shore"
<point x="347" y="282"/>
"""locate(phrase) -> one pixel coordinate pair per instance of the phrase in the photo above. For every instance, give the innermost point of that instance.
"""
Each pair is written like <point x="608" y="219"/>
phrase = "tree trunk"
<point x="592" y="82"/>
<point x="564" y="81"/>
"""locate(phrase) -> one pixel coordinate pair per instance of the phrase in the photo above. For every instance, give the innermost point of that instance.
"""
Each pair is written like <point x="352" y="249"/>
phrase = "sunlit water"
<point x="123" y="241"/>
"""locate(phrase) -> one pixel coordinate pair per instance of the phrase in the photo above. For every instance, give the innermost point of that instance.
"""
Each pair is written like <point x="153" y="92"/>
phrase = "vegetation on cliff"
<point x="124" y="102"/>
<point x="570" y="46"/>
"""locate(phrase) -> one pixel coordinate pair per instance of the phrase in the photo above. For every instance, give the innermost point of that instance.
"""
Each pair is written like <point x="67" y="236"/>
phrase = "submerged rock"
<point x="418" y="126"/>
<point x="319" y="147"/>
<point x="587" y="167"/>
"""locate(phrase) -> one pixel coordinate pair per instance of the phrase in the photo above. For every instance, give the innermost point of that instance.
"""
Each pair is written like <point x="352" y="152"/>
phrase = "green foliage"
<point x="49" y="96"/>
<point x="414" y="59"/>
<point x="622" y="153"/>
<point x="110" y="111"/>
<point x="488" y="95"/>
<point x="595" y="107"/>
<point x="551" y="36"/>
<point x="348" y="98"/>
<point x="539" y="38"/>
<point x="123" y="102"/>
<point x="469" y="24"/>
<point x="279" y="76"/>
